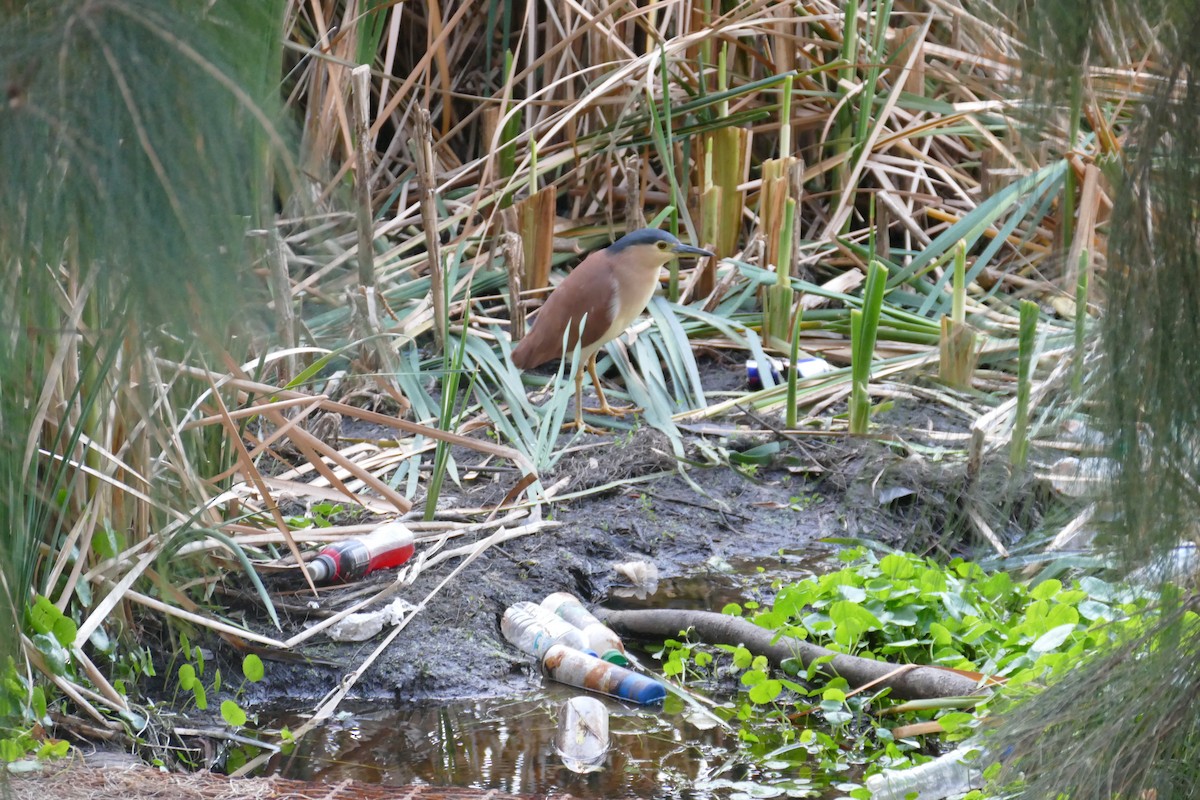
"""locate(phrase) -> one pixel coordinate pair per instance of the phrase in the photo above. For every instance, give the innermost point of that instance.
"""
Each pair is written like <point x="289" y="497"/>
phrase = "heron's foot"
<point x="613" y="411"/>
<point x="583" y="427"/>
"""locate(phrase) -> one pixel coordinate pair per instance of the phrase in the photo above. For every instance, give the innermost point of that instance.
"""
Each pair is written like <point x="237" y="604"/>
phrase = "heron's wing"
<point x="589" y="290"/>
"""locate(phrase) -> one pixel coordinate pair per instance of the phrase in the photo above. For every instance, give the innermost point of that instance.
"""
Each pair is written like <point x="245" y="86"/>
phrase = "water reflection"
<point x="508" y="745"/>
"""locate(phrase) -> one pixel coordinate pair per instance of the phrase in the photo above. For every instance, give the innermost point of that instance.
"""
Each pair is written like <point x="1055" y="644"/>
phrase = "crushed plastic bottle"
<point x="387" y="546"/>
<point x="581" y="739"/>
<point x="949" y="775"/>
<point x="599" y="636"/>
<point x="583" y="671"/>
<point x="534" y="630"/>
<point x="806" y="367"/>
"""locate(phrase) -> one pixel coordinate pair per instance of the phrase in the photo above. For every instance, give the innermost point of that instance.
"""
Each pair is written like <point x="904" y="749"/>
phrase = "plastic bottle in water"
<point x="387" y="546"/>
<point x="948" y="775"/>
<point x="581" y="738"/>
<point x="599" y="636"/>
<point x="533" y="630"/>
<point x="583" y="671"/>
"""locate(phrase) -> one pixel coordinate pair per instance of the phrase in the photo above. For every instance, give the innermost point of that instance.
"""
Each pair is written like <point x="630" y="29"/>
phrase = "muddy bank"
<point x="810" y="489"/>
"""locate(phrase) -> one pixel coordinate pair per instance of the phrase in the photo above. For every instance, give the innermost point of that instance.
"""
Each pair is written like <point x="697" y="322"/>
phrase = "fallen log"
<point x="908" y="682"/>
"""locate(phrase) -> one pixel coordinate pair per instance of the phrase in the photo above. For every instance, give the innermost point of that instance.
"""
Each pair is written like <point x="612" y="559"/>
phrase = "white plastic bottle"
<point x="949" y="775"/>
<point x="532" y="629"/>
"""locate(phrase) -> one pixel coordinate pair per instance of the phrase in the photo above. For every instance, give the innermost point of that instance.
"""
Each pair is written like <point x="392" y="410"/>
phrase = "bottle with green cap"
<point x="599" y="636"/>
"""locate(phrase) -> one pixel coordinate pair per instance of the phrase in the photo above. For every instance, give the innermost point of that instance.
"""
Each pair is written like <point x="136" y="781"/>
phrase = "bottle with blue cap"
<point x="574" y="668"/>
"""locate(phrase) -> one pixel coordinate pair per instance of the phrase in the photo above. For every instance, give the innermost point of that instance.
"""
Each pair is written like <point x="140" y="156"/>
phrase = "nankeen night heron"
<point x="607" y="291"/>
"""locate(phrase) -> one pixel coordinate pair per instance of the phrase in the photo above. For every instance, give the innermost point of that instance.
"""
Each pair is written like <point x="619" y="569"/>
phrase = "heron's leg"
<point x="579" y="424"/>
<point x="605" y="408"/>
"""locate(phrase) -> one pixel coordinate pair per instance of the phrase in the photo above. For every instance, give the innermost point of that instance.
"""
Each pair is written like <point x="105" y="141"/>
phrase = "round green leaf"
<point x="765" y="692"/>
<point x="187" y="677"/>
<point x="233" y="713"/>
<point x="252" y="668"/>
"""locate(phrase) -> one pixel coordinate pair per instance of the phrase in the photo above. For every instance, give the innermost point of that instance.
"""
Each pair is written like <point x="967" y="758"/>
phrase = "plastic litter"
<point x="949" y="775"/>
<point x="534" y="630"/>
<point x="387" y="546"/>
<point x="584" y="671"/>
<point x="581" y="739"/>
<point x="362" y="626"/>
<point x="599" y="636"/>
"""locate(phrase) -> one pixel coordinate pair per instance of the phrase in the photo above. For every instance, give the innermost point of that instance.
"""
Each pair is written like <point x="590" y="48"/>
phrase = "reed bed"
<point x="450" y="159"/>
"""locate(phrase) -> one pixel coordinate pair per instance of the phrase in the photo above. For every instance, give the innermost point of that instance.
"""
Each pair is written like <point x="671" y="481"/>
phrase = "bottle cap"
<point x="321" y="568"/>
<point x="615" y="656"/>
<point x="641" y="689"/>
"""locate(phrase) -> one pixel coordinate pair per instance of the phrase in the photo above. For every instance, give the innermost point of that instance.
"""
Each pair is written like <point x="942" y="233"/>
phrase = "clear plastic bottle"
<point x="581" y="738"/>
<point x="949" y="775"/>
<point x="533" y="630"/>
<point x="599" y="636"/>
<point x="583" y="671"/>
<point x="387" y="546"/>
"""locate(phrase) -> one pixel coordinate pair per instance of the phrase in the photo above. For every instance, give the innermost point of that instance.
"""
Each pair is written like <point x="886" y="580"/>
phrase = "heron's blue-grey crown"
<point x="642" y="236"/>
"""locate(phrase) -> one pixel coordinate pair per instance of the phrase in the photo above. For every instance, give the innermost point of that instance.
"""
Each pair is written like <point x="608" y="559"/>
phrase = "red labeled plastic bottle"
<point x="387" y="546"/>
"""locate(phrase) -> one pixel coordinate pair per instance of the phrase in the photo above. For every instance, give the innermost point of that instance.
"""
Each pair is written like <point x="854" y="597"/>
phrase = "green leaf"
<point x="39" y="703"/>
<point x="55" y="748"/>
<point x="57" y="657"/>
<point x="65" y="630"/>
<point x="1051" y="639"/>
<point x="753" y="677"/>
<point x="1046" y="589"/>
<point x="762" y="455"/>
<point x="252" y="668"/>
<point x="43" y="615"/>
<point x="836" y="695"/>
<point x="765" y="692"/>
<point x="955" y="720"/>
<point x="107" y="543"/>
<point x="201" y="695"/>
<point x="742" y="657"/>
<point x="854" y="594"/>
<point x="233" y="713"/>
<point x="187" y="677"/>
<point x="1093" y="610"/>
<point x="940" y="634"/>
<point x="897" y="566"/>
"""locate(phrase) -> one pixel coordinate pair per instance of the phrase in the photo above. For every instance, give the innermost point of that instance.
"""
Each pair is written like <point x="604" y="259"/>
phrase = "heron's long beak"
<point x="687" y="250"/>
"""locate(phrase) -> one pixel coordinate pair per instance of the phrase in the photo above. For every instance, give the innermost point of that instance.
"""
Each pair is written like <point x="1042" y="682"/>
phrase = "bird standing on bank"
<point x="604" y="294"/>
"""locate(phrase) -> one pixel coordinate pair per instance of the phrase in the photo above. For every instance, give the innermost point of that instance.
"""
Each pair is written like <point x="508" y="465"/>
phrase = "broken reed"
<point x="956" y="363"/>
<point x="777" y="212"/>
<point x="864" y="326"/>
<point x="725" y="168"/>
<point x="1026" y="338"/>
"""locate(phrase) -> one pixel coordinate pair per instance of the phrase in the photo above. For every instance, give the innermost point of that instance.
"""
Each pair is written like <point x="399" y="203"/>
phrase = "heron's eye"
<point x="662" y="245"/>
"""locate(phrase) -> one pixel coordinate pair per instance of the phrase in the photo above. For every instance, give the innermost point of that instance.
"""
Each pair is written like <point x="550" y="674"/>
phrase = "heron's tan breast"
<point x="635" y="286"/>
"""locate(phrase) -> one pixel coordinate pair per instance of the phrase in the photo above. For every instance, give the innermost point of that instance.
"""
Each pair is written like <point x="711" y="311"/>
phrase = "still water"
<point x="507" y="744"/>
